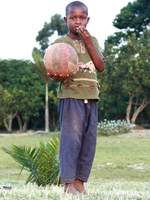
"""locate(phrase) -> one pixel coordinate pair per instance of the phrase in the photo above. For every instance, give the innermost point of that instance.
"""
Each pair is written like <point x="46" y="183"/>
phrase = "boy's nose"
<point x="78" y="21"/>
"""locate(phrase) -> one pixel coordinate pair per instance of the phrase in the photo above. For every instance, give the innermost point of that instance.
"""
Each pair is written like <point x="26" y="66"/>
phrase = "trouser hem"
<point x="82" y="178"/>
<point x="67" y="180"/>
<point x="71" y="180"/>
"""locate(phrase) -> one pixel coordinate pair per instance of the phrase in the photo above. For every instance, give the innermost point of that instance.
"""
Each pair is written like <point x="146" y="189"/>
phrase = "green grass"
<point x="101" y="191"/>
<point x="121" y="170"/>
<point x="122" y="158"/>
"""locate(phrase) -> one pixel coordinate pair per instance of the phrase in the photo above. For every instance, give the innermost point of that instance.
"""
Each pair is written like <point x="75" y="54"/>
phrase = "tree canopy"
<point x="44" y="35"/>
<point x="134" y="17"/>
<point x="21" y="90"/>
<point x="127" y="54"/>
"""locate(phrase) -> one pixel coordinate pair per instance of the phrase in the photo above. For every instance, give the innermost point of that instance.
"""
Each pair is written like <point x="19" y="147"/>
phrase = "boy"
<point x="78" y="102"/>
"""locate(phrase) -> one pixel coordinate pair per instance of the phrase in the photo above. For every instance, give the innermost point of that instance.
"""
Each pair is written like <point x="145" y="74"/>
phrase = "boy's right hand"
<point x="84" y="34"/>
<point x="58" y="78"/>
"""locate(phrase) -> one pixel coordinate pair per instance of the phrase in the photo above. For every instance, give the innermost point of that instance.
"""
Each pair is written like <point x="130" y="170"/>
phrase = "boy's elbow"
<point x="102" y="66"/>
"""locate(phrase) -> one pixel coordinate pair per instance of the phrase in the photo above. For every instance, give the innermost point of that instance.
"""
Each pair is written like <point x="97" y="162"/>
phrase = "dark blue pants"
<point x="78" y="123"/>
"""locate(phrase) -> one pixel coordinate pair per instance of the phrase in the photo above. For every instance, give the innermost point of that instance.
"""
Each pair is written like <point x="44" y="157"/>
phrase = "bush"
<point x="112" y="127"/>
<point x="41" y="162"/>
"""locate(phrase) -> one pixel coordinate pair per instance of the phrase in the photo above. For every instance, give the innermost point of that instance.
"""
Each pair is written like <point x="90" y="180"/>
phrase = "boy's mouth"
<point x="76" y="28"/>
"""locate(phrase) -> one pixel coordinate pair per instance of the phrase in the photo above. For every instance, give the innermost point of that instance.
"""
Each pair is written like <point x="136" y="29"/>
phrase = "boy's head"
<point x="76" y="4"/>
<point x="76" y="16"/>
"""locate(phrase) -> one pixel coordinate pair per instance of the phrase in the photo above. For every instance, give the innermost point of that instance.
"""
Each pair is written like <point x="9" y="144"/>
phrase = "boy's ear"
<point x="88" y="19"/>
<point x="65" y="20"/>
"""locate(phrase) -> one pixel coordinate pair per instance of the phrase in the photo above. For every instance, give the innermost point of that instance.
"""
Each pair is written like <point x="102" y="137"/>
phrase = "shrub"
<point x="112" y="127"/>
<point x="41" y="162"/>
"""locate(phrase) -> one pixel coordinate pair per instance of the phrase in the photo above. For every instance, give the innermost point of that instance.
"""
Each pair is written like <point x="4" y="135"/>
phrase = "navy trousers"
<point x="78" y="126"/>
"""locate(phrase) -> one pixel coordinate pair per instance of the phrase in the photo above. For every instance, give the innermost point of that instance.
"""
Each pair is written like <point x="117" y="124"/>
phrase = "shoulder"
<point x="61" y="39"/>
<point x="94" y="39"/>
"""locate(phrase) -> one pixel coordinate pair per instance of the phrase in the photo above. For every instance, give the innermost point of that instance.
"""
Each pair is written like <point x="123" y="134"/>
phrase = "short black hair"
<point x="75" y="3"/>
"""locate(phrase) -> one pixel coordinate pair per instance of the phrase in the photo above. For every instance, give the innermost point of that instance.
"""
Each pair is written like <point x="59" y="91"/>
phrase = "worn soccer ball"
<point x="61" y="61"/>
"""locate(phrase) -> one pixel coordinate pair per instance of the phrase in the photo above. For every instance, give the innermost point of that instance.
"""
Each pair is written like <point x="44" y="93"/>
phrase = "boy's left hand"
<point x="84" y="34"/>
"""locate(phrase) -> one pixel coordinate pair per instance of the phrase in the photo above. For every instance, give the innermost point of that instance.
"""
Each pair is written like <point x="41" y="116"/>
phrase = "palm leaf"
<point x="41" y="162"/>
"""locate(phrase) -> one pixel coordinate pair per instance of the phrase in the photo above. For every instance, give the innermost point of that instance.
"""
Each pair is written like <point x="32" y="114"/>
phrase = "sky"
<point x="20" y="21"/>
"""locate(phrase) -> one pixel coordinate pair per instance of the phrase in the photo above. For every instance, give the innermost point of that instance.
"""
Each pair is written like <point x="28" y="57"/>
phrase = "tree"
<point x="22" y="91"/>
<point x="44" y="36"/>
<point x="8" y="109"/>
<point x="136" y="79"/>
<point x="128" y="71"/>
<point x="39" y="64"/>
<point x="134" y="18"/>
<point x="127" y="58"/>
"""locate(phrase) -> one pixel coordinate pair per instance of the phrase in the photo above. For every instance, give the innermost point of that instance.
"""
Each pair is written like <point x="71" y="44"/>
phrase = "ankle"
<point x="70" y="189"/>
<point x="67" y="185"/>
<point x="78" y="182"/>
<point x="79" y="185"/>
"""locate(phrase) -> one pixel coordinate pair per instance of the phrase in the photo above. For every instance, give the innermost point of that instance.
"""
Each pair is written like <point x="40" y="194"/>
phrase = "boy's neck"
<point x="73" y="36"/>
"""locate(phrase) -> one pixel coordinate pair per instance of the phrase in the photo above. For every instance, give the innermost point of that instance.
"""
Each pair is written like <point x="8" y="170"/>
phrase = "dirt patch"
<point x="138" y="134"/>
<point x="137" y="131"/>
<point x="137" y="127"/>
<point x="15" y="134"/>
<point x="30" y="132"/>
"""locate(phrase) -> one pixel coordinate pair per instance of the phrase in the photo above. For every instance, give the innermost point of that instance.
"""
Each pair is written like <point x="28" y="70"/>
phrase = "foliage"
<point x="127" y="74"/>
<point x="134" y="69"/>
<point x="133" y="64"/>
<point x="44" y="36"/>
<point x="50" y="92"/>
<point x="112" y="127"/>
<point x="134" y="17"/>
<point x="8" y="105"/>
<point x="56" y="23"/>
<point x="41" y="162"/>
<point x="39" y="65"/>
<point x="19" y="79"/>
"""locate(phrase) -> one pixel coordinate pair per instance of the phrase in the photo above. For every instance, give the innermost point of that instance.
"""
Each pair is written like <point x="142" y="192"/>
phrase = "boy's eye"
<point x="82" y="18"/>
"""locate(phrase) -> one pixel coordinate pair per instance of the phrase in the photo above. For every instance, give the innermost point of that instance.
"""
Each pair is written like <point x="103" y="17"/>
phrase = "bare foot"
<point x="70" y="189"/>
<point x="79" y="186"/>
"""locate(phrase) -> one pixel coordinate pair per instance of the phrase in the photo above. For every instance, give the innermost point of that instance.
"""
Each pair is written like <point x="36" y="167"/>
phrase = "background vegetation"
<point x="28" y="98"/>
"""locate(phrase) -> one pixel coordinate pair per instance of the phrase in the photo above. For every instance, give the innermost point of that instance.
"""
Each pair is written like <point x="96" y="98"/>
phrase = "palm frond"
<point x="42" y="162"/>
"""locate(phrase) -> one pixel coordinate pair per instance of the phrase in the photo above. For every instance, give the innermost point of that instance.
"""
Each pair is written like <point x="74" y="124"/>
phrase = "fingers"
<point x="81" y="30"/>
<point x="58" y="78"/>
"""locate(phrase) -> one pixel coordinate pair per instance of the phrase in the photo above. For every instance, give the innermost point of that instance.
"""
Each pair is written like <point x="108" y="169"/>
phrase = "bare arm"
<point x="96" y="58"/>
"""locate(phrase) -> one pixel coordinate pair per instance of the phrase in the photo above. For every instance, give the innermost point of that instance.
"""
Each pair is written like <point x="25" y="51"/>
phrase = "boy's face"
<point x="76" y="16"/>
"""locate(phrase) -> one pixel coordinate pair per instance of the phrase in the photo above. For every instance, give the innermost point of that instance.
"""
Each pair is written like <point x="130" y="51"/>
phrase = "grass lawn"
<point x="121" y="170"/>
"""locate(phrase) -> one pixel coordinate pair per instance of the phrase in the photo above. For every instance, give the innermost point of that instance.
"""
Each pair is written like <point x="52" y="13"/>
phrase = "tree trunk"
<point x="25" y="125"/>
<point x="36" y="121"/>
<point x="19" y="122"/>
<point x="46" y="110"/>
<point x="8" y="121"/>
<point x="128" y="111"/>
<point x="8" y="124"/>
<point x="139" y="109"/>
